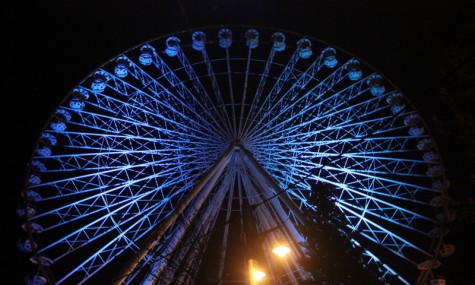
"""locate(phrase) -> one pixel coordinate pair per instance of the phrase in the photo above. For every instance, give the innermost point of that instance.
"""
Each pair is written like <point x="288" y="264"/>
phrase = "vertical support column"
<point x="255" y="165"/>
<point x="266" y="181"/>
<point x="154" y="237"/>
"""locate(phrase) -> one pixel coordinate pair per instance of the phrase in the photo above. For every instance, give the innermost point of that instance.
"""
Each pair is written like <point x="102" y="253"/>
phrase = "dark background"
<point x="424" y="47"/>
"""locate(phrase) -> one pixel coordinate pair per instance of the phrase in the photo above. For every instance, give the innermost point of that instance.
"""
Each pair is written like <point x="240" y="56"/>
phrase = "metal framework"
<point x="145" y="164"/>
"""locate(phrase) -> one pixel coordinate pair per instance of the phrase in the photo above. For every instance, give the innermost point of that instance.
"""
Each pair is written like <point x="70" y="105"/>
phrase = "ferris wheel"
<point x="156" y="158"/>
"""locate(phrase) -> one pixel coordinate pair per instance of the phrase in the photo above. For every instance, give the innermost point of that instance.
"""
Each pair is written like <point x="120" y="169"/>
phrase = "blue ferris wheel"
<point x="145" y="163"/>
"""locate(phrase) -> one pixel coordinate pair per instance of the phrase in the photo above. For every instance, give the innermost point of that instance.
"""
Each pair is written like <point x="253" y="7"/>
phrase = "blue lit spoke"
<point x="158" y="148"/>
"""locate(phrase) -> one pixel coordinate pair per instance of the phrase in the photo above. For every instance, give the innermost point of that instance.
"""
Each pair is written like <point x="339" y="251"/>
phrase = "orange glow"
<point x="281" y="250"/>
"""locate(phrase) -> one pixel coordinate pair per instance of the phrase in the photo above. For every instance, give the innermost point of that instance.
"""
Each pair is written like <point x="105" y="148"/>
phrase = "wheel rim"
<point x="129" y="146"/>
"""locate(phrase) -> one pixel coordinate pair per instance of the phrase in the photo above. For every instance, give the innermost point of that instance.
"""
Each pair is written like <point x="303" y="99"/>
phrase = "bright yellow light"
<point x="281" y="250"/>
<point x="255" y="275"/>
<point x="258" y="275"/>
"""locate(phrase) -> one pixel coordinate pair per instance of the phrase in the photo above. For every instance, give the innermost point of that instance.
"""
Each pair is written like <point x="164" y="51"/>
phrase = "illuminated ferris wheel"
<point x="156" y="158"/>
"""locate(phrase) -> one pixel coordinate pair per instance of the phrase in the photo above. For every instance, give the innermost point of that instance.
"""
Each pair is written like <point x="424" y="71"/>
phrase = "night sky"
<point x="52" y="45"/>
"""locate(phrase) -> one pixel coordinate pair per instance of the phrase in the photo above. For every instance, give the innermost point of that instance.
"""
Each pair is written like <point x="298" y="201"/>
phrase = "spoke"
<point x="154" y="167"/>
